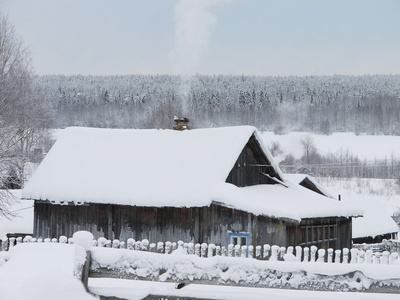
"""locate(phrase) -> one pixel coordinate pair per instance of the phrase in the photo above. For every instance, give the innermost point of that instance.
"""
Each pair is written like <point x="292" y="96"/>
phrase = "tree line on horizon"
<point x="367" y="104"/>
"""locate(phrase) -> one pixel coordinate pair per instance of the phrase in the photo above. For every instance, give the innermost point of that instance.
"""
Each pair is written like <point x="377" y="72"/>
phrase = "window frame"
<point x="239" y="236"/>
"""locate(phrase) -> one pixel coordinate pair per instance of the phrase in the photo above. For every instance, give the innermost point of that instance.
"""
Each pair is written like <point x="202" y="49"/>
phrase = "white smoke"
<point x="194" y="25"/>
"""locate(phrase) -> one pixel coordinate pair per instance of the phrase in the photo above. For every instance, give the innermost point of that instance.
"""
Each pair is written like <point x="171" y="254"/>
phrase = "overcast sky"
<point x="251" y="37"/>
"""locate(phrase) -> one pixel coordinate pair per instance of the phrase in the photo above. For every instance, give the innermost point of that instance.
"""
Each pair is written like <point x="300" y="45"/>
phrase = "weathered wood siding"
<point x="250" y="166"/>
<point x="198" y="225"/>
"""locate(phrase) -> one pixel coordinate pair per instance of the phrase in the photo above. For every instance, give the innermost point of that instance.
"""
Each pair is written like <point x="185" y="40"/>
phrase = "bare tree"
<point x="23" y="117"/>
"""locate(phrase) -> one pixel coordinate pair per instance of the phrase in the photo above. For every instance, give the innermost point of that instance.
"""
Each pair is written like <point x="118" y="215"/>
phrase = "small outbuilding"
<point x="216" y="185"/>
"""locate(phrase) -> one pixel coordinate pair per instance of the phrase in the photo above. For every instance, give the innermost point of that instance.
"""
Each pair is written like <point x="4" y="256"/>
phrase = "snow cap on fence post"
<point x="266" y="251"/>
<point x="299" y="251"/>
<point x="160" y="247"/>
<point x="369" y="255"/>
<point x="258" y="252"/>
<point x="83" y="243"/>
<point x="306" y="257"/>
<point x="243" y="251"/>
<point x="27" y="239"/>
<point x="354" y="255"/>
<point x="197" y="249"/>
<point x="314" y="250"/>
<point x="131" y="244"/>
<point x="84" y="239"/>
<point x="190" y="248"/>
<point x="360" y="258"/>
<point x="218" y="250"/>
<point x="237" y="250"/>
<point x="385" y="257"/>
<point x="330" y="255"/>
<point x="168" y="247"/>
<point x="4" y="243"/>
<point x="377" y="258"/>
<point x="345" y="255"/>
<point x="393" y="257"/>
<point x="210" y="252"/>
<point x="145" y="245"/>
<point x="337" y="256"/>
<point x="101" y="242"/>
<point x="289" y="256"/>
<point x="274" y="253"/>
<point x="203" y="249"/>
<point x="321" y="255"/>
<point x="224" y="251"/>
<point x="230" y="250"/>
<point x="251" y="251"/>
<point x="115" y="244"/>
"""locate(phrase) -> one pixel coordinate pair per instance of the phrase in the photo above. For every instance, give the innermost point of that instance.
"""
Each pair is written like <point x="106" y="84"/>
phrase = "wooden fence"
<point x="265" y="252"/>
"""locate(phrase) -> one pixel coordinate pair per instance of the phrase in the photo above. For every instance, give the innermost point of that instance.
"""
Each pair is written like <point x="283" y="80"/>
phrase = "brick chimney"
<point x="181" y="124"/>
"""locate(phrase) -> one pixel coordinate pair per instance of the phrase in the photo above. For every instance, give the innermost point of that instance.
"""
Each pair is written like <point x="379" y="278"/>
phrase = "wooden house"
<point x="218" y="185"/>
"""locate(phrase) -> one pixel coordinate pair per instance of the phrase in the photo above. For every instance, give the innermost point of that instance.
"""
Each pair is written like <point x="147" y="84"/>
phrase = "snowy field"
<point x="364" y="146"/>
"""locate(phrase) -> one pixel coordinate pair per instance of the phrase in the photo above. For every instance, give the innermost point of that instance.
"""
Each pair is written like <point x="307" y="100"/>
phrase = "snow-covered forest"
<point x="321" y="104"/>
<point x="315" y="104"/>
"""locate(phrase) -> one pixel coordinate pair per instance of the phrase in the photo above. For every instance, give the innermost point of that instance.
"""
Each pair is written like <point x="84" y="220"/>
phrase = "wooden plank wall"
<point x="197" y="225"/>
<point x="250" y="166"/>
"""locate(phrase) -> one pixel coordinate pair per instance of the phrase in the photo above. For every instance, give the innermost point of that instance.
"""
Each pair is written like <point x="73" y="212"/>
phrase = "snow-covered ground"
<point x="39" y="271"/>
<point x="136" y="289"/>
<point x="44" y="271"/>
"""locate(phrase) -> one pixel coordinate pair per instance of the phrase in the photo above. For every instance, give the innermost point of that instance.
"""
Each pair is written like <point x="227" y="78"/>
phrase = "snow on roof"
<point x="148" y="167"/>
<point x="292" y="202"/>
<point x="298" y="178"/>
<point x="374" y="222"/>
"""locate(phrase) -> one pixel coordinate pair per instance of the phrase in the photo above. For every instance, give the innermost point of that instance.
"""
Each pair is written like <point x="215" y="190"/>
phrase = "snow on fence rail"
<point x="361" y="254"/>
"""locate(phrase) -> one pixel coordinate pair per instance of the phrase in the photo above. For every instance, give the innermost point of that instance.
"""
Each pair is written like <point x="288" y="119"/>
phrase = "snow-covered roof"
<point x="148" y="167"/>
<point x="299" y="178"/>
<point x="373" y="223"/>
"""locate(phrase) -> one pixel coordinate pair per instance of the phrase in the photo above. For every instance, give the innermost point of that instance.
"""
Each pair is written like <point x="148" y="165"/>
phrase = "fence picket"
<point x="273" y="253"/>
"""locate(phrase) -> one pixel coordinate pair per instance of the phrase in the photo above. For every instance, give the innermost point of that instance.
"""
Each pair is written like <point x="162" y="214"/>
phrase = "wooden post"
<point x="85" y="271"/>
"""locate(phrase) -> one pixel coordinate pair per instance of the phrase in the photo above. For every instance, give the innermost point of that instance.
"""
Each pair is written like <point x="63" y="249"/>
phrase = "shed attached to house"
<point x="216" y="185"/>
